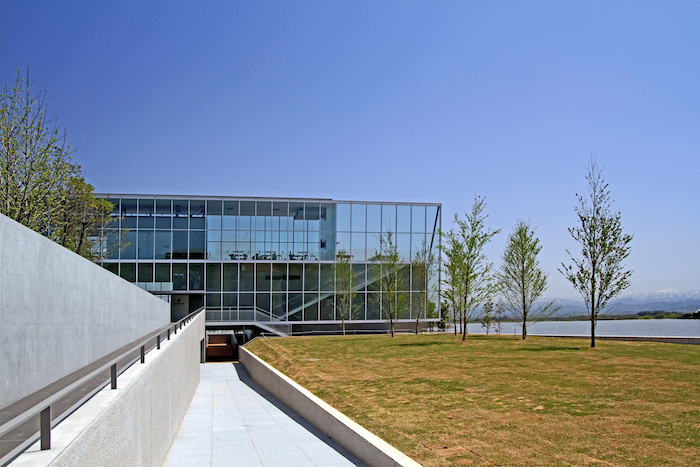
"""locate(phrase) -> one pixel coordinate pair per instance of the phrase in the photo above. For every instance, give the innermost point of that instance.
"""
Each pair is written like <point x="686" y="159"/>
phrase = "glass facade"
<point x="264" y="259"/>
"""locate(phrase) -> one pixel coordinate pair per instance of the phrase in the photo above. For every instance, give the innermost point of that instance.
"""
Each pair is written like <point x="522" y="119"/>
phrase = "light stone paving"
<point x="233" y="421"/>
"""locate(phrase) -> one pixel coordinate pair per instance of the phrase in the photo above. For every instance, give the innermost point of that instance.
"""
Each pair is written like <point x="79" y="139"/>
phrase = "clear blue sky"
<point x="399" y="101"/>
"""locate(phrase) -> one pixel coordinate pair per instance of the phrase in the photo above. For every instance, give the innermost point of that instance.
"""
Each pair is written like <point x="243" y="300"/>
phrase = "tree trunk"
<point x="391" y="325"/>
<point x="343" y="325"/>
<point x="524" y="328"/>
<point x="464" y="328"/>
<point x="592" y="332"/>
<point x="454" y="321"/>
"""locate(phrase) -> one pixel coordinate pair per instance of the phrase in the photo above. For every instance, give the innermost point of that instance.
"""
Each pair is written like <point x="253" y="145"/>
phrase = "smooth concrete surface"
<point x="135" y="424"/>
<point x="60" y="312"/>
<point x="232" y="421"/>
<point x="368" y="447"/>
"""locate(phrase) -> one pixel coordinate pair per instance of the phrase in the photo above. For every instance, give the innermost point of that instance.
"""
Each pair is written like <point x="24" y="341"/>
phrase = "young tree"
<point x="600" y="274"/>
<point x="521" y="279"/>
<point x="344" y="287"/>
<point x="35" y="164"/>
<point x="452" y="266"/>
<point x="423" y="272"/>
<point x="487" y="316"/>
<point x="476" y="273"/>
<point x="391" y="279"/>
<point x="499" y="312"/>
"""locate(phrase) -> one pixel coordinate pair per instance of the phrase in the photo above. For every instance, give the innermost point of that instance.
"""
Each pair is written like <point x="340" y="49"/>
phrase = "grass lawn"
<point x="498" y="400"/>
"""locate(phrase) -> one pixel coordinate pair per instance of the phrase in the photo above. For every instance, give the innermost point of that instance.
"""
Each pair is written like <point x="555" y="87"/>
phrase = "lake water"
<point x="622" y="327"/>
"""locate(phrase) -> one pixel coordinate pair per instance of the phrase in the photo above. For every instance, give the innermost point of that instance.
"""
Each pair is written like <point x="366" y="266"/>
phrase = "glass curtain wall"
<point x="266" y="259"/>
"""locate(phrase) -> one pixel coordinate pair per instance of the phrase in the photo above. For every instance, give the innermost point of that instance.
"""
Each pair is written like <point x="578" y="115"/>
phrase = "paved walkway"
<point x="233" y="421"/>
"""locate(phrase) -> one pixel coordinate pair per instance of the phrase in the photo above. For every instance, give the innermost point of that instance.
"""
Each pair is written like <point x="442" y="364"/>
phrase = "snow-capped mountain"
<point x="633" y="303"/>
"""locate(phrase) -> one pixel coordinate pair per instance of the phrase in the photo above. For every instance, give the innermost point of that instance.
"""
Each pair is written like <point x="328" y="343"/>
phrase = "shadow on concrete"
<point x="248" y="381"/>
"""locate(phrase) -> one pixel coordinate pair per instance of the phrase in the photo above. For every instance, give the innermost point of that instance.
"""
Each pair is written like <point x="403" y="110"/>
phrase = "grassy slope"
<point x="498" y="400"/>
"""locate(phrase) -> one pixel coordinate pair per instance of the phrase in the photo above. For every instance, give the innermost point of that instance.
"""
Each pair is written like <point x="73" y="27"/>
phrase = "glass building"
<point x="265" y="261"/>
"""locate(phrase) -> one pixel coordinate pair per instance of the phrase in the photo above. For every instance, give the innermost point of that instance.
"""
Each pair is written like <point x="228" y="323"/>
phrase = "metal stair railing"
<point x="43" y="407"/>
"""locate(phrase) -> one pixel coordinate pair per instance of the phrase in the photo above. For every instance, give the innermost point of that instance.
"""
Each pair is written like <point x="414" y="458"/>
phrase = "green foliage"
<point x="391" y="279"/>
<point x="521" y="279"/>
<point x="469" y="278"/>
<point x="600" y="274"/>
<point x="344" y="286"/>
<point x="40" y="187"/>
<point x="35" y="164"/>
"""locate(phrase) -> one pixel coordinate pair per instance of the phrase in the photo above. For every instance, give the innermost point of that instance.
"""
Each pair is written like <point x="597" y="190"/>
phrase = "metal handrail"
<point x="44" y="407"/>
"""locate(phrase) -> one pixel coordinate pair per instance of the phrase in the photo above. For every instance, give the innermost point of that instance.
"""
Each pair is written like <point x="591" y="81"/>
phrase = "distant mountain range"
<point x="633" y="303"/>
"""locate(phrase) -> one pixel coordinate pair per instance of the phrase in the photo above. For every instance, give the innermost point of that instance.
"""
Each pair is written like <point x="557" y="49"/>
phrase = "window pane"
<point x="374" y="218"/>
<point x="164" y="222"/>
<point x="214" y="277"/>
<point x="112" y="267"/>
<point x="431" y="217"/>
<point x="196" y="277"/>
<point x="327" y="277"/>
<point x="247" y="277"/>
<point x="403" y="218"/>
<point x="145" y="272"/>
<point x="403" y="244"/>
<point x="358" y="247"/>
<point x="296" y="216"/>
<point x="180" y="245"/>
<point x="162" y="249"/>
<point x="295" y="307"/>
<point x="342" y="217"/>
<point x="327" y="309"/>
<point x="418" y="218"/>
<point x="295" y="276"/>
<point x="310" y="307"/>
<point x="230" y="300"/>
<point x="112" y="244"/>
<point x="162" y="272"/>
<point x="388" y="218"/>
<point x="246" y="215"/>
<point x="279" y="305"/>
<point x="163" y="207"/>
<point x="182" y="213"/>
<point x="359" y="212"/>
<point x="327" y="217"/>
<point x="197" y="245"/>
<point x="310" y="277"/>
<point x="127" y="271"/>
<point x="128" y="245"/>
<point x="230" y="215"/>
<point x="312" y="216"/>
<point x="214" y="300"/>
<point x="179" y="276"/>
<point x="196" y="214"/>
<point x="359" y="272"/>
<point x="214" y="250"/>
<point x="128" y="213"/>
<point x="230" y="277"/>
<point x="262" y="301"/>
<point x="145" y="244"/>
<point x="279" y="277"/>
<point x="359" y="302"/>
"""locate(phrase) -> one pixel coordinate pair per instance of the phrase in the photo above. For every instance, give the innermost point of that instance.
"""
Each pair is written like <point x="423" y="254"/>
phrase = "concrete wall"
<point x="136" y="423"/>
<point x="60" y="312"/>
<point x="364" y="445"/>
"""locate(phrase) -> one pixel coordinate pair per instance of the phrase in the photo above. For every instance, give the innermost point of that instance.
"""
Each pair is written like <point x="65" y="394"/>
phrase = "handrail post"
<point x="143" y="354"/>
<point x="113" y="375"/>
<point x="168" y="333"/>
<point x="158" y="342"/>
<point x="45" y="428"/>
<point x="175" y="329"/>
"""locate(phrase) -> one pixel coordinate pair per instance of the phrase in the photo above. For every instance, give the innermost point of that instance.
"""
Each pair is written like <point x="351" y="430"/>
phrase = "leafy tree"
<point x="344" y="287"/>
<point x="471" y="280"/>
<point x="600" y="274"/>
<point x="521" y="279"/>
<point x="423" y="272"/>
<point x="392" y="282"/>
<point x="79" y="225"/>
<point x="35" y="163"/>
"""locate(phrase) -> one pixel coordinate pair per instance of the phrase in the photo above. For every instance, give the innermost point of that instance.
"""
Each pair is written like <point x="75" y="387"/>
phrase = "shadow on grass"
<point x="544" y="349"/>
<point x="423" y="344"/>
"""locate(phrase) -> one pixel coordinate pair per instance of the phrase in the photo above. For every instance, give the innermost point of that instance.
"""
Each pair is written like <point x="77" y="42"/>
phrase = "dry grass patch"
<point x="498" y="400"/>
